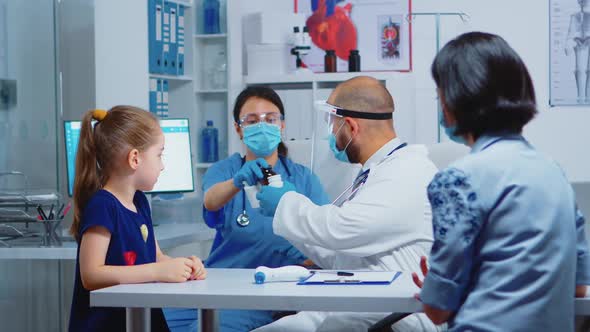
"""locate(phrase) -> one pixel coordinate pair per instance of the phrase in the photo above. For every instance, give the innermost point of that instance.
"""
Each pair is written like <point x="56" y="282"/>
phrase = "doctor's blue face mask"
<point x="262" y="138"/>
<point x="339" y="154"/>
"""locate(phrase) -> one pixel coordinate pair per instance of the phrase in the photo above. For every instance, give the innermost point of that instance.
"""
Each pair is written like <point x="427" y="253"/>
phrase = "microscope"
<point x="301" y="42"/>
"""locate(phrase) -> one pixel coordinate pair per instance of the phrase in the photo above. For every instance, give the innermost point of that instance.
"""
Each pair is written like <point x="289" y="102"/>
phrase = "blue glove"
<point x="269" y="197"/>
<point x="250" y="173"/>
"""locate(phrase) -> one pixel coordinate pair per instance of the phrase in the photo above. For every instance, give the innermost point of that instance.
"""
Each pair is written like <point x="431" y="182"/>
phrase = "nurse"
<point x="244" y="236"/>
<point x="509" y="250"/>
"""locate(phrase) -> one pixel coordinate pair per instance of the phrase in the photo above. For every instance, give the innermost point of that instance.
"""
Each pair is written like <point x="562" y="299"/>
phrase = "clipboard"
<point x="359" y="278"/>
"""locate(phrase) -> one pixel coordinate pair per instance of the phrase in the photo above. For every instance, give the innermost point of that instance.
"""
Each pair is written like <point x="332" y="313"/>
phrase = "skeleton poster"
<point x="569" y="63"/>
<point x="378" y="29"/>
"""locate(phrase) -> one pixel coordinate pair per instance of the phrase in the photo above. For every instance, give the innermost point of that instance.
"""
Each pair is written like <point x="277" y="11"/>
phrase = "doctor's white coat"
<point x="387" y="225"/>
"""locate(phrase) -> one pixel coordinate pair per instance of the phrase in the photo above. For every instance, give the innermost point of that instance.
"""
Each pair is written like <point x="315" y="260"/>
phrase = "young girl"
<point x="117" y="159"/>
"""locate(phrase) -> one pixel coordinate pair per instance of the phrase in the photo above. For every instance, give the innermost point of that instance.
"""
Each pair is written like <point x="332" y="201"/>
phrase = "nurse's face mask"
<point x="262" y="132"/>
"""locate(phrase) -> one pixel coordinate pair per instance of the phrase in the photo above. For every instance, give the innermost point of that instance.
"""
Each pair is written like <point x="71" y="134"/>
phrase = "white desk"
<point x="235" y="289"/>
<point x="168" y="235"/>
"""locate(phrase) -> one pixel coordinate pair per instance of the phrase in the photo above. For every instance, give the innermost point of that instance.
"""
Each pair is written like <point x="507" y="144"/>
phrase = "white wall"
<point x="559" y="131"/>
<point x="121" y="46"/>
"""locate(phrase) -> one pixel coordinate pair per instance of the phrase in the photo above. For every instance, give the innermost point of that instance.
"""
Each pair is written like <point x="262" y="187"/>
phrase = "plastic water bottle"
<point x="286" y="273"/>
<point x="209" y="143"/>
<point x="211" y="16"/>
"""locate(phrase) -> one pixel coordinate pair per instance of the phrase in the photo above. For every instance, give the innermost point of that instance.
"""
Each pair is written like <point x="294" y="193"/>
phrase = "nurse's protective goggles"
<point x="332" y="112"/>
<point x="272" y="118"/>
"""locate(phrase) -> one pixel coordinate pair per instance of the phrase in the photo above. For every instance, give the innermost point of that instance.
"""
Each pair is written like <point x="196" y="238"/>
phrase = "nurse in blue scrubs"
<point x="245" y="238"/>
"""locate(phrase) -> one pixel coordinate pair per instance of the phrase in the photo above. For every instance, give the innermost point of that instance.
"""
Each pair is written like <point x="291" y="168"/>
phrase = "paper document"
<point x="357" y="277"/>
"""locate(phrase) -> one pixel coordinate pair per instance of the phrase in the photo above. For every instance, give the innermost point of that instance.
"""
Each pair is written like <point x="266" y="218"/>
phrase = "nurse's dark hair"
<point x="103" y="147"/>
<point x="265" y="93"/>
<point x="484" y="84"/>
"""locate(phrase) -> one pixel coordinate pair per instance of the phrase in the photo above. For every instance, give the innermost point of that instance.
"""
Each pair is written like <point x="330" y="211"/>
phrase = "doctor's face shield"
<point x="332" y="112"/>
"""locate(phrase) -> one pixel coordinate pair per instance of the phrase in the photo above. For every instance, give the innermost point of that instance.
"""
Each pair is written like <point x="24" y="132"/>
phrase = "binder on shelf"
<point x="164" y="99"/>
<point x="172" y="70"/>
<point x="155" y="8"/>
<point x="154" y="96"/>
<point x="166" y="38"/>
<point x="159" y="97"/>
<point x="180" y="39"/>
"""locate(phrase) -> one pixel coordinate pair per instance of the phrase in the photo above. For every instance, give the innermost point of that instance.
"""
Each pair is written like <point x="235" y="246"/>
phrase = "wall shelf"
<point x="172" y="77"/>
<point x="204" y="91"/>
<point x="210" y="36"/>
<point x="317" y="77"/>
<point x="203" y="165"/>
<point x="180" y="2"/>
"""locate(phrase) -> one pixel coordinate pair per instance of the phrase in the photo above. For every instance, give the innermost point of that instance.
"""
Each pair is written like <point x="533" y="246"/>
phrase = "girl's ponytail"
<point x="88" y="174"/>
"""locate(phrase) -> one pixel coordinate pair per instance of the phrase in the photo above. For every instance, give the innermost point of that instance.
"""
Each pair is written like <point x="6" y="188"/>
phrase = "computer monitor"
<point x="177" y="175"/>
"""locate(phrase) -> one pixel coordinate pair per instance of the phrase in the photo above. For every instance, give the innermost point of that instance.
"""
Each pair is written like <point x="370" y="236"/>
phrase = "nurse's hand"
<point x="269" y="197"/>
<point x="250" y="173"/>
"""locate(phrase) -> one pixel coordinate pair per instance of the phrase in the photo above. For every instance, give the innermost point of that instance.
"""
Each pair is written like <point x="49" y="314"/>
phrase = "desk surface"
<point x="168" y="235"/>
<point x="235" y="289"/>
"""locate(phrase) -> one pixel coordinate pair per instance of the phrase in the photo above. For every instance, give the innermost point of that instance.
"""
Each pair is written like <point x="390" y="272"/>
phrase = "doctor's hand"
<point x="269" y="197"/>
<point x="250" y="173"/>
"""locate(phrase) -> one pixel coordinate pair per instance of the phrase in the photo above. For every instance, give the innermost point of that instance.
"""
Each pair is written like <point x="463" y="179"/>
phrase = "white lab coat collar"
<point x="378" y="156"/>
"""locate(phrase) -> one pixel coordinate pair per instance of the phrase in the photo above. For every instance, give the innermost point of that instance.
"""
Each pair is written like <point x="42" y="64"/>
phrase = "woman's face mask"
<point x="450" y="130"/>
<point x="262" y="138"/>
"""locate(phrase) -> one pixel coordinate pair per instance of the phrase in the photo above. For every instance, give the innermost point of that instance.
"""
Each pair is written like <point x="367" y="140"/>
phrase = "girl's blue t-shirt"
<point x="127" y="247"/>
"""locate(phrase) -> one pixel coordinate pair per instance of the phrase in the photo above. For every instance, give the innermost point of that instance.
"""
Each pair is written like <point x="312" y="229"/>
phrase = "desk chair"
<point x="442" y="154"/>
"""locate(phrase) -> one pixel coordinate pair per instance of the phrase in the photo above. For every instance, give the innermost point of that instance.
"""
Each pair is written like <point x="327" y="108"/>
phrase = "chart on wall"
<point x="569" y="65"/>
<point x="378" y="29"/>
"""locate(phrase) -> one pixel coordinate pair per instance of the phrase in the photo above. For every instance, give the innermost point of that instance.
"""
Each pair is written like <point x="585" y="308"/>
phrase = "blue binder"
<point x="180" y="39"/>
<point x="166" y="39"/>
<point x="159" y="97"/>
<point x="155" y="8"/>
<point x="164" y="99"/>
<point x="172" y="70"/>
<point x="154" y="96"/>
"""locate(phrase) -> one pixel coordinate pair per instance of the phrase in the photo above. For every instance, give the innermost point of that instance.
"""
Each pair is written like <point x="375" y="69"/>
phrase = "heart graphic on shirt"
<point x="331" y="28"/>
<point x="130" y="257"/>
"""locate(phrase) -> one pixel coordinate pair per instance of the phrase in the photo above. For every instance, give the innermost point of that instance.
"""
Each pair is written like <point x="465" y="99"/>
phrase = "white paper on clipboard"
<point x="359" y="278"/>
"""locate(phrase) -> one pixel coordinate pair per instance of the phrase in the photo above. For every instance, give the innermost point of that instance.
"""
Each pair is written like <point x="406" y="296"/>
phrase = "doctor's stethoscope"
<point x="359" y="181"/>
<point x="243" y="219"/>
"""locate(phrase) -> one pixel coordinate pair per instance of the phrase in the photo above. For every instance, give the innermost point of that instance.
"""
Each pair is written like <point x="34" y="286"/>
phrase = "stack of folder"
<point x="166" y="49"/>
<point x="166" y="37"/>
<point x="159" y="97"/>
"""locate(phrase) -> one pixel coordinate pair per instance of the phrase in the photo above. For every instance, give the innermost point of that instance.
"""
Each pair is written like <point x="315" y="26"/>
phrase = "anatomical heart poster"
<point x="569" y="65"/>
<point x="378" y="29"/>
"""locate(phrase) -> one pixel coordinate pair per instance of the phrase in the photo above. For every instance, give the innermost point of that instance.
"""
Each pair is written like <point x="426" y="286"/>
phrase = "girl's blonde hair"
<point x="103" y="147"/>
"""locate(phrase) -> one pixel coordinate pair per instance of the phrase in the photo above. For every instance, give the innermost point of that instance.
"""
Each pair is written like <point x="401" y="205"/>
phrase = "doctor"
<point x="382" y="222"/>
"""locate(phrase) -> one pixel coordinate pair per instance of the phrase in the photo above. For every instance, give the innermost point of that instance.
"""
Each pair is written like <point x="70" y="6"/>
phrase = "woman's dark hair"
<point x="484" y="84"/>
<point x="267" y="94"/>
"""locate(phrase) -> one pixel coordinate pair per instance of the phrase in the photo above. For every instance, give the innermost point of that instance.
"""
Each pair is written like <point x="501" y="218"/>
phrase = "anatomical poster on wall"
<point x="378" y="29"/>
<point x="569" y="65"/>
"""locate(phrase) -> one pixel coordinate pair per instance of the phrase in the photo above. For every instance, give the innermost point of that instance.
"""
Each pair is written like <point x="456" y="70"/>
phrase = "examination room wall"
<point x="561" y="132"/>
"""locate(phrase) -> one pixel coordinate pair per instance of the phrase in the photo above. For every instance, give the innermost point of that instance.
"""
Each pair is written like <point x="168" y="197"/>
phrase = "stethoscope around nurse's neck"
<point x="243" y="219"/>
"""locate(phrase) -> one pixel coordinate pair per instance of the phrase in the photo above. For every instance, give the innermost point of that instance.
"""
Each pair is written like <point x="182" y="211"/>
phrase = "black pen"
<point x="51" y="212"/>
<point x="60" y="209"/>
<point x="41" y="212"/>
